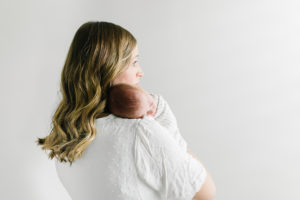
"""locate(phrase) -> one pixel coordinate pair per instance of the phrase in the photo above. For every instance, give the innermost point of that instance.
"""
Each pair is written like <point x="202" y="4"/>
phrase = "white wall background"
<point x="229" y="70"/>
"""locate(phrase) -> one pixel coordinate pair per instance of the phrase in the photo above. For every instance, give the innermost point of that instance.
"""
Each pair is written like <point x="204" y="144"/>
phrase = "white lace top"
<point x="135" y="159"/>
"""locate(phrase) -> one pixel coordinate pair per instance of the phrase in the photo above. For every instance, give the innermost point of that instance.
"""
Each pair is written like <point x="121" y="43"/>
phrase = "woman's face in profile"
<point x="133" y="73"/>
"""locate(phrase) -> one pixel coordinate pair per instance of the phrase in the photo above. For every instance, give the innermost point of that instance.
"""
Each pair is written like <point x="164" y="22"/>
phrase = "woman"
<point x="112" y="157"/>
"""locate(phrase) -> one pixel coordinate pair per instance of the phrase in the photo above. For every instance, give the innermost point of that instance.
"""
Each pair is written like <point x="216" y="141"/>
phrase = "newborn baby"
<point x="130" y="101"/>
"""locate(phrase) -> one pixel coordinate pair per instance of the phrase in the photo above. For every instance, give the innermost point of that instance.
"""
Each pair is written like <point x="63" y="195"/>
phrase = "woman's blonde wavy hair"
<point x="99" y="52"/>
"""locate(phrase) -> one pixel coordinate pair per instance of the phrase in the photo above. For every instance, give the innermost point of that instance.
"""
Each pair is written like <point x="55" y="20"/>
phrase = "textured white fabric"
<point x="135" y="159"/>
<point x="165" y="117"/>
<point x="174" y="173"/>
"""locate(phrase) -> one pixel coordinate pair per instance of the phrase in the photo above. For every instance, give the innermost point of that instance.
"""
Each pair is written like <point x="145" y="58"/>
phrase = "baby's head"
<point x="130" y="101"/>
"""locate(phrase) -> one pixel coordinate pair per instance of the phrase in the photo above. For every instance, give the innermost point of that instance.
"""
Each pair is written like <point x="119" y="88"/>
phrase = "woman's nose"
<point x="140" y="73"/>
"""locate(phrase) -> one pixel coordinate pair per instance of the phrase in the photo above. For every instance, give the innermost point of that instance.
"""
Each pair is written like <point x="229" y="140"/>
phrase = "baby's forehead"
<point x="140" y="90"/>
<point x="138" y="93"/>
<point x="132" y="90"/>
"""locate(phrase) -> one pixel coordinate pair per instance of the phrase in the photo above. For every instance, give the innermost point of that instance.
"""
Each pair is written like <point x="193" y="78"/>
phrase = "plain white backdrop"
<point x="229" y="70"/>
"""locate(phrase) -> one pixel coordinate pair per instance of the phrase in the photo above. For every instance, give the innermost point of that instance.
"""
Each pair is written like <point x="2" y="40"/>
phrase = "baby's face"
<point x="148" y="105"/>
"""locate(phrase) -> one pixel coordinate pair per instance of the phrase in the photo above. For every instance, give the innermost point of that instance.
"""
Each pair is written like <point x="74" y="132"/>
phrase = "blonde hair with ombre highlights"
<point x="99" y="52"/>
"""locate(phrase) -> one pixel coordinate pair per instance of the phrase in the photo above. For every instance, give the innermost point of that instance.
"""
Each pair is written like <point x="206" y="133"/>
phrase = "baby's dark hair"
<point x="124" y="100"/>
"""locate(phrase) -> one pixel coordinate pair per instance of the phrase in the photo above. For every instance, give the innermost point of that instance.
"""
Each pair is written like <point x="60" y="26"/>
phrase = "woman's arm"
<point x="208" y="189"/>
<point x="163" y="165"/>
<point x="167" y="119"/>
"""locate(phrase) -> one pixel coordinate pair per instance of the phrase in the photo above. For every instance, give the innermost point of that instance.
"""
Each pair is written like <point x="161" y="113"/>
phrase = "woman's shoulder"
<point x="151" y="129"/>
<point x="115" y="123"/>
<point x="156" y="96"/>
<point x="159" y="98"/>
<point x="112" y="117"/>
